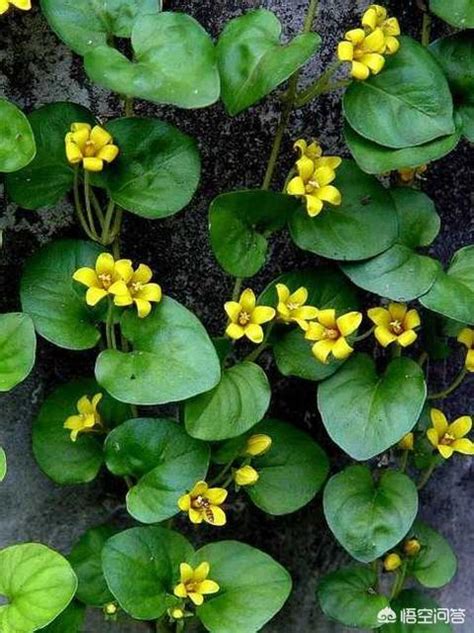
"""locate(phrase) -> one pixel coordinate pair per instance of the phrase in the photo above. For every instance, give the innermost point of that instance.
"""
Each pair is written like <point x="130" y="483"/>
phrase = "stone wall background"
<point x="35" y="68"/>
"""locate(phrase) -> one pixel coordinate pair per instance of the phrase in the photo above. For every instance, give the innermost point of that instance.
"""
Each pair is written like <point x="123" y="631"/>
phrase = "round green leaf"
<point x="369" y="517"/>
<point x="86" y="560"/>
<point x="157" y="170"/>
<point x="409" y="103"/>
<point x="173" y="358"/>
<point x="70" y="620"/>
<point x="418" y="221"/>
<point x="166" y="461"/>
<point x="466" y="112"/>
<point x="38" y="584"/>
<point x="174" y="62"/>
<point x="455" y="54"/>
<point x="253" y="62"/>
<point x="236" y="403"/>
<point x="239" y="224"/>
<point x="49" y="177"/>
<point x="17" y="349"/>
<point x="85" y="24"/>
<point x="413" y="599"/>
<point x="17" y="143"/>
<point x="341" y="232"/>
<point x="452" y="294"/>
<point x="141" y="567"/>
<point x="436" y="563"/>
<point x="350" y="597"/>
<point x="3" y="464"/>
<point x="65" y="461"/>
<point x="55" y="302"/>
<point x="458" y="13"/>
<point x="364" y="413"/>
<point x="253" y="587"/>
<point x="290" y="473"/>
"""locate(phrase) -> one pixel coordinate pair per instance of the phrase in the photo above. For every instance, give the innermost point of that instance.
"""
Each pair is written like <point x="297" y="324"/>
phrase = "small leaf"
<point x="418" y="221"/>
<point x="3" y="464"/>
<point x="411" y="599"/>
<point x="17" y="349"/>
<point x="17" y="143"/>
<point x="458" y="13"/>
<point x="435" y="565"/>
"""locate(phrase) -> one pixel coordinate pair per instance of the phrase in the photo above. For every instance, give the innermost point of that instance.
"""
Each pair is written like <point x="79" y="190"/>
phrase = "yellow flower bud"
<point x="110" y="608"/>
<point x="412" y="547"/>
<point x="176" y="613"/>
<point x="258" y="444"/>
<point x="246" y="476"/>
<point x="407" y="442"/>
<point x="392" y="562"/>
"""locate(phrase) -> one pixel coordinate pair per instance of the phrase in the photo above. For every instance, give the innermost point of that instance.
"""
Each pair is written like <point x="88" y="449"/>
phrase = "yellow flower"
<point x="392" y="562"/>
<point x="110" y="608"/>
<point x="376" y="17"/>
<point x="195" y="583"/>
<point x="466" y="337"/>
<point x="395" y="325"/>
<point x="450" y="438"/>
<point x="246" y="317"/>
<point x="246" y="476"/>
<point x="24" y="5"/>
<point x="90" y="146"/>
<point x="364" y="51"/>
<point x="100" y="280"/>
<point x="412" y="547"/>
<point x="408" y="175"/>
<point x="310" y="150"/>
<point x="136" y="289"/>
<point x="313" y="183"/>
<point x="87" y="419"/>
<point x="203" y="504"/>
<point x="407" y="442"/>
<point x="257" y="444"/>
<point x="291" y="306"/>
<point x="330" y="334"/>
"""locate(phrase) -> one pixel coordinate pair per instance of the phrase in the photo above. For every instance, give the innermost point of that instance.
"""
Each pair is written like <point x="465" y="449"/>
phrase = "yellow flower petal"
<point x="315" y="331"/>
<point x="91" y="163"/>
<point x="411" y="320"/>
<point x="324" y="176"/>
<point x="76" y="127"/>
<point x="314" y="205"/>
<point x="99" y="136"/>
<point x="217" y="496"/>
<point x="330" y="194"/>
<point x="208" y="586"/>
<point x="359" y="71"/>
<point x="356" y="36"/>
<point x="196" y="598"/>
<point x="374" y="61"/>
<point x="370" y="18"/>
<point x="296" y="187"/>
<point x="96" y="399"/>
<point x="391" y="27"/>
<point x="218" y="516"/>
<point x="391" y="45"/>
<point x="4" y="6"/>
<point x="186" y="572"/>
<point x="322" y="349"/>
<point x="300" y="145"/>
<point x="397" y="311"/>
<point x="299" y="296"/>
<point x="379" y="316"/>
<point x="119" y="288"/>
<point x="254" y="333"/>
<point x="184" y="502"/>
<point x="407" y="338"/>
<point x="122" y="301"/>
<point x="460" y="427"/>
<point x="439" y="421"/>
<point x="305" y="313"/>
<point x="235" y="331"/>
<point x="199" y="488"/>
<point x="327" y="318"/>
<point x="375" y="41"/>
<point x="108" y="153"/>
<point x="283" y="292"/>
<point x="200" y="573"/>
<point x="332" y="162"/>
<point x="73" y="153"/>
<point x="87" y="277"/>
<point x="384" y="336"/>
<point x="342" y="349"/>
<point x="180" y="591"/>
<point x="80" y="136"/>
<point x="94" y="295"/>
<point x="143" y="274"/>
<point x="195" y="516"/>
<point x="232" y="309"/>
<point x="466" y="337"/>
<point x="433" y="437"/>
<point x="445" y="451"/>
<point x="143" y="307"/>
<point x="247" y="300"/>
<point x="469" y="362"/>
<point x="105" y="264"/>
<point x="73" y="422"/>
<point x="124" y="269"/>
<point x="348" y="323"/>
<point x="464" y="446"/>
<point x="345" y="51"/>
<point x="262" y="314"/>
<point x="305" y="168"/>
<point x="149" y="292"/>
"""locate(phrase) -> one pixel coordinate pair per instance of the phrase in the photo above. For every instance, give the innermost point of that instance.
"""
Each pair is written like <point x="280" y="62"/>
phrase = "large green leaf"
<point x="85" y="24"/>
<point x="409" y="103"/>
<point x="237" y="403"/>
<point x="369" y="517"/>
<point x="458" y="13"/>
<point x="350" y="596"/>
<point x="411" y="600"/>
<point x="38" y="584"/>
<point x="157" y="170"/>
<point x="49" y="177"/>
<point x="252" y="61"/>
<point x="435" y="565"/>
<point x="70" y="620"/>
<point x="3" y="464"/>
<point x="364" y="413"/>
<point x="17" y="143"/>
<point x="174" y="62"/>
<point x="55" y="302"/>
<point x="166" y="461"/>
<point x="452" y="294"/>
<point x="239" y="224"/>
<point x="341" y="232"/>
<point x="17" y="349"/>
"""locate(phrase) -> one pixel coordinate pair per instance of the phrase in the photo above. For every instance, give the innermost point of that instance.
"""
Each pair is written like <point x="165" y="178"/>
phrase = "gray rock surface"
<point x="36" y="69"/>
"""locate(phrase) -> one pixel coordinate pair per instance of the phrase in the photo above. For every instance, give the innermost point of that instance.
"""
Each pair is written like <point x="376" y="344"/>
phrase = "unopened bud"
<point x="110" y="608"/>
<point x="258" y="444"/>
<point x="407" y="442"/>
<point x="246" y="476"/>
<point x="176" y="613"/>
<point x="392" y="562"/>
<point x="412" y="547"/>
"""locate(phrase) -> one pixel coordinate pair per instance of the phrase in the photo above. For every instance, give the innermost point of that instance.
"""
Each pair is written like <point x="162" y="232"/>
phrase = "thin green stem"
<point x="110" y="326"/>
<point x="399" y="581"/>
<point x="87" y="199"/>
<point x="221" y="475"/>
<point x="322" y="85"/>
<point x="426" y="476"/>
<point x="452" y="387"/>
<point x="97" y="208"/>
<point x="128" y="106"/>
<point x="362" y="337"/>
<point x="396" y="350"/>
<point x="404" y="461"/>
<point x="254" y="354"/>
<point x="107" y="237"/>
<point x="423" y="358"/>
<point x="237" y="288"/>
<point x="78" y="206"/>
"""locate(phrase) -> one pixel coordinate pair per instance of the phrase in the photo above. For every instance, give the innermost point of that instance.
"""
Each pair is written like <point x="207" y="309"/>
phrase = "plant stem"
<point x="220" y="476"/>
<point x="97" y="207"/>
<point x="400" y="581"/>
<point x="254" y="354"/>
<point x="362" y="337"/>
<point x="128" y="106"/>
<point x="423" y="358"/>
<point x="78" y="206"/>
<point x="106" y="234"/>
<point x="452" y="387"/>
<point x="426" y="476"/>
<point x="110" y="326"/>
<point x="403" y="461"/>
<point x="396" y="350"/>
<point x="237" y="288"/>
<point x="88" y="205"/>
<point x="322" y="85"/>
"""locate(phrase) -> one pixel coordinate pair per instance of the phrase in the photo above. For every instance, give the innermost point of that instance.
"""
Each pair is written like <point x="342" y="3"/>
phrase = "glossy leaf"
<point x="458" y="13"/>
<point x="70" y="620"/>
<point x="435" y="565"/>
<point x="418" y="220"/>
<point x="173" y="358"/>
<point x="17" y="143"/>
<point x="369" y="517"/>
<point x="17" y="349"/>
<point x="3" y="464"/>
<point x="414" y="599"/>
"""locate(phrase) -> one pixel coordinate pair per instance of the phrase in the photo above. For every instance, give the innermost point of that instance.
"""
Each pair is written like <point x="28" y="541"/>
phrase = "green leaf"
<point x="85" y="24"/>
<point x="418" y="221"/>
<point x="233" y="406"/>
<point x="253" y="587"/>
<point x="253" y="62"/>
<point x="38" y="584"/>
<point x="327" y="288"/>
<point x="458" y="13"/>
<point x="350" y="597"/>
<point x="17" y="143"/>
<point x="452" y="294"/>
<point x="341" y="232"/>
<point x="157" y="170"/>
<point x="55" y="302"/>
<point x="174" y="62"/>
<point x="166" y="461"/>
<point x="290" y="473"/>
<point x="369" y="517"/>
<point x="141" y="566"/>
<point x="3" y="464"/>
<point x="436" y="563"/>
<point x="407" y="104"/>
<point x="17" y="349"/>
<point x="86" y="560"/>
<point x="239" y="224"/>
<point x="49" y="177"/>
<point x="70" y="620"/>
<point x="467" y="116"/>
<point x="173" y="358"/>
<point x="65" y="461"/>
<point x="413" y="599"/>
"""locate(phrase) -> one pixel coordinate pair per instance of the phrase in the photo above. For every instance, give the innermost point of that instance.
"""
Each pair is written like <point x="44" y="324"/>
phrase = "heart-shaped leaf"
<point x="49" y="177"/>
<point x="350" y="597"/>
<point x="174" y="62"/>
<point x="38" y="584"/>
<point x="173" y="358"/>
<point x="435" y="565"/>
<point x="3" y="464"/>
<point x="458" y="13"/>
<point x="85" y="24"/>
<point x="17" y="349"/>
<point x="364" y="413"/>
<point x="55" y="302"/>
<point x="369" y="517"/>
<point x="166" y="461"/>
<point x="413" y="601"/>
<point x="70" y="620"/>
<point x="17" y="143"/>
<point x="341" y="232"/>
<point x="239" y="224"/>
<point x="407" y="104"/>
<point x="252" y="61"/>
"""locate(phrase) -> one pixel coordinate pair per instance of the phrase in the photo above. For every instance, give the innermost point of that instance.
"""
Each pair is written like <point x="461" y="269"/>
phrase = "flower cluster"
<point x="24" y="5"/>
<point x="87" y="419"/>
<point x="91" y="146"/>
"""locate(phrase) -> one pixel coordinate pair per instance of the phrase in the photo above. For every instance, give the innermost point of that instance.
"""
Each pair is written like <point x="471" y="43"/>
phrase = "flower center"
<point x="200" y="502"/>
<point x="292" y="306"/>
<point x="106" y="279"/>
<point x="90" y="149"/>
<point x="397" y="327"/>
<point x="447" y="439"/>
<point x="244" y="318"/>
<point x="191" y="586"/>
<point x="331" y="333"/>
<point x="311" y="186"/>
<point x="136" y="286"/>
